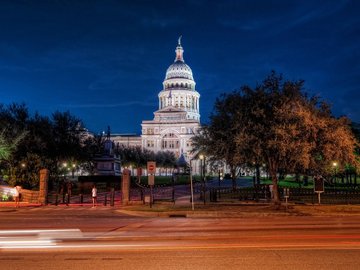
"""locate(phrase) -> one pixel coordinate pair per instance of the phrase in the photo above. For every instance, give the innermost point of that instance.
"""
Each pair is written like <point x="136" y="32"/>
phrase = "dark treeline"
<point x="32" y="142"/>
<point x="29" y="143"/>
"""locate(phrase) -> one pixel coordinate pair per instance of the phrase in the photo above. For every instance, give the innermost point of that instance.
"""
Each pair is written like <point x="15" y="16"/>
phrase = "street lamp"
<point x="23" y="166"/>
<point x="73" y="170"/>
<point x="191" y="187"/>
<point x="335" y="171"/>
<point x="202" y="174"/>
<point x="65" y="168"/>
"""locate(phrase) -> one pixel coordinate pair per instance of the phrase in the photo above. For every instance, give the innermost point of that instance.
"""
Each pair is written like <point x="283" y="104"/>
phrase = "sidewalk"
<point x="239" y="209"/>
<point x="22" y="204"/>
<point x="208" y="210"/>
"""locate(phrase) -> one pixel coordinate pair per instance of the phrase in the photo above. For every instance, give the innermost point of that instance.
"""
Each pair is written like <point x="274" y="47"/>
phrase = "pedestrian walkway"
<point x="21" y="204"/>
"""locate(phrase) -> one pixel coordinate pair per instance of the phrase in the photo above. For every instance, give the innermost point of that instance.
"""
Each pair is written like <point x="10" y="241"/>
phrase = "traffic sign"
<point x="151" y="167"/>
<point x="319" y="184"/>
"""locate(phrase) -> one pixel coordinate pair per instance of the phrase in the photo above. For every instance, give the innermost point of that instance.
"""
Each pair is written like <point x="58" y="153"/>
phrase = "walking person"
<point x="16" y="193"/>
<point x="94" y="195"/>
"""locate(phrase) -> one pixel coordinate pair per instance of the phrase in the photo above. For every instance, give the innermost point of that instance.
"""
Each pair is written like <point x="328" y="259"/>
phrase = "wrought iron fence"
<point x="297" y="195"/>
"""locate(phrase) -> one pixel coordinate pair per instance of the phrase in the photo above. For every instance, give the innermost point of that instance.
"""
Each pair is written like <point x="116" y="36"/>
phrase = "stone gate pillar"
<point x="44" y="178"/>
<point x="125" y="187"/>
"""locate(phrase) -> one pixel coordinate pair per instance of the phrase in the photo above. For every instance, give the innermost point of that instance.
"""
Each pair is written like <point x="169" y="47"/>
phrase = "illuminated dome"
<point x="179" y="74"/>
<point x="179" y="87"/>
<point x="179" y="70"/>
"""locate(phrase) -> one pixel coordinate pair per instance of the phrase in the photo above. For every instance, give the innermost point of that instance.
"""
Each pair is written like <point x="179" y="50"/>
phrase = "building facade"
<point x="178" y="118"/>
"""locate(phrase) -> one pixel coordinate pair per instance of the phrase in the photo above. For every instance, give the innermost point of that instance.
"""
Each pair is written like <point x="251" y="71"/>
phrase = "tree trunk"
<point x="275" y="191"/>
<point x="355" y="180"/>
<point x="258" y="175"/>
<point x="275" y="188"/>
<point x="305" y="180"/>
<point x="233" y="177"/>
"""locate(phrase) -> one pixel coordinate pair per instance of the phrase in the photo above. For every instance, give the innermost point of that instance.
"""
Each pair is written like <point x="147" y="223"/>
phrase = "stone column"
<point x="125" y="187"/>
<point x="44" y="178"/>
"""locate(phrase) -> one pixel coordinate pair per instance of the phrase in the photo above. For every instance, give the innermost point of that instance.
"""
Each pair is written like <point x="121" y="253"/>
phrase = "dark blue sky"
<point x="105" y="61"/>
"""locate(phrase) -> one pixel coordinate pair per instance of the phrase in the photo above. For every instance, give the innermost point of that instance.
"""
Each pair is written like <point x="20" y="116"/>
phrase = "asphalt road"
<point x="103" y="238"/>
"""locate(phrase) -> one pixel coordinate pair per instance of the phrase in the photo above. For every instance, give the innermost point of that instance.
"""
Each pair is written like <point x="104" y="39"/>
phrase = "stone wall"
<point x="30" y="196"/>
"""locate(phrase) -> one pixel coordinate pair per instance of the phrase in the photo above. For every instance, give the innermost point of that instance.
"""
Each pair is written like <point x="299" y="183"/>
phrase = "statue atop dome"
<point x="179" y="51"/>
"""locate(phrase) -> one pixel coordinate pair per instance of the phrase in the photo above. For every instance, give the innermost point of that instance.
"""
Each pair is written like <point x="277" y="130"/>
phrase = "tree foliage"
<point x="30" y="143"/>
<point x="277" y="124"/>
<point x="218" y="139"/>
<point x="138" y="157"/>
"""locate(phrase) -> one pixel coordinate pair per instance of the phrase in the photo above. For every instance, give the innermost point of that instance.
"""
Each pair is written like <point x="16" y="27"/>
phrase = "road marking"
<point x="137" y="247"/>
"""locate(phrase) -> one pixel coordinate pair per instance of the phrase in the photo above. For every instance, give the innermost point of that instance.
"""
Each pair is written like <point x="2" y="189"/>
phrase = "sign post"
<point x="319" y="186"/>
<point x="286" y="195"/>
<point x="138" y="174"/>
<point x="151" y="168"/>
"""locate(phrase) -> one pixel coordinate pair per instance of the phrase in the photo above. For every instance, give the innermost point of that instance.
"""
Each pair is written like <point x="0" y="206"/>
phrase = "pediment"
<point x="170" y="109"/>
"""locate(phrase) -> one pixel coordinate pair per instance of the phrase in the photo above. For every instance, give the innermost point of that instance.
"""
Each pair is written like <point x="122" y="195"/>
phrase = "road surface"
<point x="103" y="238"/>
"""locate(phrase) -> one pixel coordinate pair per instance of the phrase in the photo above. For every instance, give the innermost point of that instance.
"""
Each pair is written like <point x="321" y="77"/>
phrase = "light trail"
<point x="10" y="239"/>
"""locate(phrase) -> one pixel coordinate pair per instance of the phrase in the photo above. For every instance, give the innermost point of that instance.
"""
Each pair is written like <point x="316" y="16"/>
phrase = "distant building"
<point x="178" y="118"/>
<point x="126" y="139"/>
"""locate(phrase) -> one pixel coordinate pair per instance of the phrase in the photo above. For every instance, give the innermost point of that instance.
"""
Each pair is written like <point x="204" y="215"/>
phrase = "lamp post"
<point x="335" y="172"/>
<point x="65" y="169"/>
<point x="23" y="166"/>
<point x="191" y="187"/>
<point x="202" y="173"/>
<point x="73" y="170"/>
<point x="63" y="186"/>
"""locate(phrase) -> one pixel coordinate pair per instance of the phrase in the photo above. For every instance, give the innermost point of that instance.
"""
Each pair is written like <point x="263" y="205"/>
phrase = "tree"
<point x="7" y="149"/>
<point x="217" y="140"/>
<point x="291" y="131"/>
<point x="49" y="142"/>
<point x="278" y="124"/>
<point x="138" y="157"/>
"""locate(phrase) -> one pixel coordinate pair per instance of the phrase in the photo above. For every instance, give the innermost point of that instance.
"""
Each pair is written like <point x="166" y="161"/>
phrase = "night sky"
<point x="105" y="61"/>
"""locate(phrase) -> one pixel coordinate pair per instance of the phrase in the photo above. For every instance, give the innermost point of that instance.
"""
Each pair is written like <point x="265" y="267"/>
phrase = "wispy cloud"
<point x="283" y="21"/>
<point x="109" y="105"/>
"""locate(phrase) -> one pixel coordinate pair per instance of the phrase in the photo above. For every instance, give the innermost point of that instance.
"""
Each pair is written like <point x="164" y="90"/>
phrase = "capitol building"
<point x="178" y="118"/>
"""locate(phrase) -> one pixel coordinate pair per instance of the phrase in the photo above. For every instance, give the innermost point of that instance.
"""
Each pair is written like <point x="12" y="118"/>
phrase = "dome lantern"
<point x="179" y="51"/>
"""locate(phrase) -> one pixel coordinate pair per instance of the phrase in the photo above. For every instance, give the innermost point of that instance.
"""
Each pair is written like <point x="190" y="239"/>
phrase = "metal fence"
<point x="296" y="195"/>
<point x="258" y="193"/>
<point x="103" y="198"/>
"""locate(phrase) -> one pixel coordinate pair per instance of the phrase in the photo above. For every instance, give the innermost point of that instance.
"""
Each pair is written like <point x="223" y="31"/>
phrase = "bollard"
<point x="66" y="199"/>
<point x="56" y="199"/>
<point x="112" y="197"/>
<point x="81" y="199"/>
<point x="105" y="199"/>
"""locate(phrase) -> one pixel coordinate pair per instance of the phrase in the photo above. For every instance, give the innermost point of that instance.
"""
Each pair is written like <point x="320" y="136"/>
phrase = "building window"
<point x="150" y="143"/>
